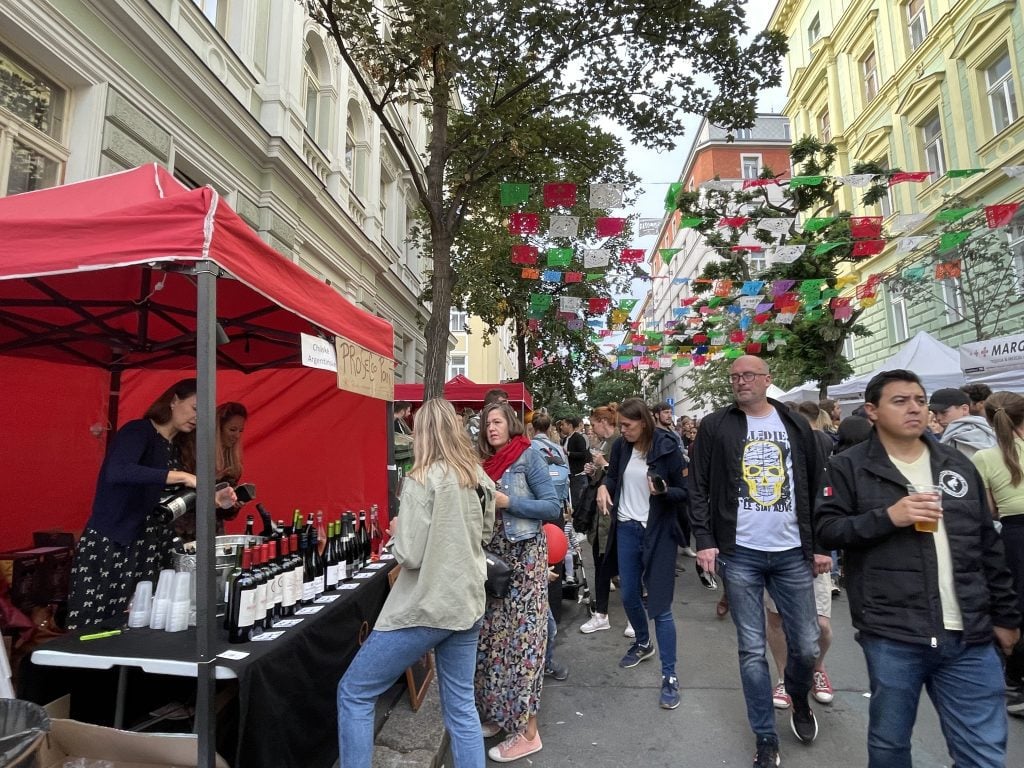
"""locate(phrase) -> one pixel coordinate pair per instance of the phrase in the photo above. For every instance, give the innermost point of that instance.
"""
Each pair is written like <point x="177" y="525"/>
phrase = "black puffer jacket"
<point x="891" y="572"/>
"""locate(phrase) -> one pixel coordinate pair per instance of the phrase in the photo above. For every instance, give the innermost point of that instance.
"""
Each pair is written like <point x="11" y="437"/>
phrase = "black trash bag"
<point x="22" y="723"/>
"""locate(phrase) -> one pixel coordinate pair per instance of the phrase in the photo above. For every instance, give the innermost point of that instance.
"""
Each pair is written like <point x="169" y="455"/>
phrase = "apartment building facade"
<point x="919" y="85"/>
<point x="712" y="157"/>
<point x="481" y="357"/>
<point x="248" y="96"/>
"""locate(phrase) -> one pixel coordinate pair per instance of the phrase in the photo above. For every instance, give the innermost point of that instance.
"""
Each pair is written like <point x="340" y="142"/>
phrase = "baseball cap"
<point x="947" y="398"/>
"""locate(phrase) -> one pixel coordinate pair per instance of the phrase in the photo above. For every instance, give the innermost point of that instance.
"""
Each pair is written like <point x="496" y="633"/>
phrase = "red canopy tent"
<point x="123" y="283"/>
<point x="462" y="392"/>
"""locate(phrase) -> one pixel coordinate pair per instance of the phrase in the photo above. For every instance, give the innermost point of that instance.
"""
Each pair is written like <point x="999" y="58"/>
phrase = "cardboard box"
<point x="123" y="749"/>
<point x="54" y="537"/>
<point x="37" y="576"/>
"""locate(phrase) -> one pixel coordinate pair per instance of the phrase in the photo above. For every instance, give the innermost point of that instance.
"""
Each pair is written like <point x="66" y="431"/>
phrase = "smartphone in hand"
<point x="660" y="486"/>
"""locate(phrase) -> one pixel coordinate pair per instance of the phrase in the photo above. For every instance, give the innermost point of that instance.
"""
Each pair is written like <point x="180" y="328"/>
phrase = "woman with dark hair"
<point x="1002" y="471"/>
<point x="605" y="421"/>
<point x="644" y="487"/>
<point x="438" y="599"/>
<point x="513" y="638"/>
<point x="127" y="538"/>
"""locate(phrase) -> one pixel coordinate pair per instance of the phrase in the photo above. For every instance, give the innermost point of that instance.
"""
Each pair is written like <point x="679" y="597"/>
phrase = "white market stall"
<point x="935" y="363"/>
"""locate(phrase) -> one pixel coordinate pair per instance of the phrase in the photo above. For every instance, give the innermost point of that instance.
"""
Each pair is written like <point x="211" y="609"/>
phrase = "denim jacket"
<point x="532" y="499"/>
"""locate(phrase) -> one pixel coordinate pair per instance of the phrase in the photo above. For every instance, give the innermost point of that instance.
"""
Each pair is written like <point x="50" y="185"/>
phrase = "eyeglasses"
<point x="746" y="376"/>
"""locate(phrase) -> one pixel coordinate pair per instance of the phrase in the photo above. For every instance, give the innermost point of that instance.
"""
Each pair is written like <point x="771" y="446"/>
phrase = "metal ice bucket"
<point x="226" y="555"/>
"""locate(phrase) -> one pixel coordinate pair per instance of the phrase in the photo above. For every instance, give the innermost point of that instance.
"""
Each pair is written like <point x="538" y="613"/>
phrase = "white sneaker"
<point x="629" y="631"/>
<point x="596" y="623"/>
<point x="688" y="551"/>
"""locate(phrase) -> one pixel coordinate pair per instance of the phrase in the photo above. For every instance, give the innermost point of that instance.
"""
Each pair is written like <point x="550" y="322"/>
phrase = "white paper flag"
<point x="596" y="257"/>
<point x="648" y="227"/>
<point x="775" y="226"/>
<point x="606" y="196"/>
<point x="857" y="179"/>
<point x="570" y="304"/>
<point x="719" y="186"/>
<point x="908" y="244"/>
<point x="564" y="226"/>
<point x="1014" y="171"/>
<point x="786" y="254"/>
<point x="665" y="362"/>
<point x="749" y="302"/>
<point x="906" y="221"/>
<point x="785" y="318"/>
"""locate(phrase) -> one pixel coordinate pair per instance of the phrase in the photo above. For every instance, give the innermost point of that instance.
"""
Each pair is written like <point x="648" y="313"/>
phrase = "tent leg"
<point x="392" y="466"/>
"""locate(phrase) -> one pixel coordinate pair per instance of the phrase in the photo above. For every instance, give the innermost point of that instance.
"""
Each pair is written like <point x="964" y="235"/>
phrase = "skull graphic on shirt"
<point x="764" y="471"/>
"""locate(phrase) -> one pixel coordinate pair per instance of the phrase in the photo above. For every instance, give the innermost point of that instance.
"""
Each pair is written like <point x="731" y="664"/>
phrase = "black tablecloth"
<point x="287" y="686"/>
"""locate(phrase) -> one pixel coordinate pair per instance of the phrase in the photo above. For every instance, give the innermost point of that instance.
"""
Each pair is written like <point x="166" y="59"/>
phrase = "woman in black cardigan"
<point x="643" y="491"/>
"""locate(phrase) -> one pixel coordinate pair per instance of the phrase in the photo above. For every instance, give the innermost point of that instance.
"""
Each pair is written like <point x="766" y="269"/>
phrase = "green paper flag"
<point x="813" y="225"/>
<point x="954" y="214"/>
<point x="733" y="352"/>
<point x="667" y="253"/>
<point x="627" y="304"/>
<point x="670" y="197"/>
<point x="593" y="277"/>
<point x="514" y="194"/>
<point x="812" y="286"/>
<point x="826" y="247"/>
<point x="690" y="222"/>
<point x="952" y="239"/>
<point x="814" y="314"/>
<point x="655" y="337"/>
<point x="715" y="301"/>
<point x="540" y="301"/>
<point x="559" y="257"/>
<point x="831" y="293"/>
<point x="913" y="274"/>
<point x="805" y="181"/>
<point x="963" y="173"/>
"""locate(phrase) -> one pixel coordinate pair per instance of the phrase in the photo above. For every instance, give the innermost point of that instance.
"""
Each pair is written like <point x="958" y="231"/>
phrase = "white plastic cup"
<point x="177" y="612"/>
<point x="182" y="584"/>
<point x="142" y="605"/>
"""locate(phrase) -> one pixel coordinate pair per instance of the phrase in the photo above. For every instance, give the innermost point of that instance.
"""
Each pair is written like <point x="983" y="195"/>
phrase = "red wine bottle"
<point x="260" y="573"/>
<point x="287" y="579"/>
<point x="241" y="612"/>
<point x="375" y="535"/>
<point x="307" y="571"/>
<point x="274" y="582"/>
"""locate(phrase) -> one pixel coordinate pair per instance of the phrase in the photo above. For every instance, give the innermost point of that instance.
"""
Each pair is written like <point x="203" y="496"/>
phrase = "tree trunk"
<point x="436" y="333"/>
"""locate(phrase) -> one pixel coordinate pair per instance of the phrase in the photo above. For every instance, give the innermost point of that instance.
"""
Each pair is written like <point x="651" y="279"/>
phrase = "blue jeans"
<point x="629" y="541"/>
<point x="964" y="682"/>
<point x="382" y="660"/>
<point x="789" y="579"/>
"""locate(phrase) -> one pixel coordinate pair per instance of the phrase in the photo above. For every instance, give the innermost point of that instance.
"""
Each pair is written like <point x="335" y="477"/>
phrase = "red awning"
<point x="461" y="391"/>
<point x="140" y="228"/>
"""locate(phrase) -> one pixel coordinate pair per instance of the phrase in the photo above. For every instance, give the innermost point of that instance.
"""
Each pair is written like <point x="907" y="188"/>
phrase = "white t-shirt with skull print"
<point x="766" y="514"/>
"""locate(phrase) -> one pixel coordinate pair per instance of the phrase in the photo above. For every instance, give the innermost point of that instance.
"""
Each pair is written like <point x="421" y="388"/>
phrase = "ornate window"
<point x="32" y="109"/>
<point x="917" y="23"/>
<point x="869" y="71"/>
<point x="898" y="324"/>
<point x="1002" y="97"/>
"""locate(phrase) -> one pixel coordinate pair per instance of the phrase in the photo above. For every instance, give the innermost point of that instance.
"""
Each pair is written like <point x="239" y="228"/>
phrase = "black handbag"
<point x="499" y="573"/>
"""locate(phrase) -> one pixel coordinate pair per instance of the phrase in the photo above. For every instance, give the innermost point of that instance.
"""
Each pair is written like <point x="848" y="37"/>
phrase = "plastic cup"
<point x="142" y="605"/>
<point x="930" y="526"/>
<point x="162" y="599"/>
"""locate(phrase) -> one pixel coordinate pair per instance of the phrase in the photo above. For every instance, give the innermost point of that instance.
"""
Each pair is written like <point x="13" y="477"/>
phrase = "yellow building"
<point x="920" y="85"/>
<point x="481" y="358"/>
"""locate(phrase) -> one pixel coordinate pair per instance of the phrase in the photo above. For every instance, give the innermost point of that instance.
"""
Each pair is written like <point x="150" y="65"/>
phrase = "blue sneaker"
<point x="669" y="692"/>
<point x="636" y="654"/>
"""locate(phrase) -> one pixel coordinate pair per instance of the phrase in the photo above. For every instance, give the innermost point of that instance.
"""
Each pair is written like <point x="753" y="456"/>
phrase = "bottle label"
<point x="261" y="601"/>
<point x="288" y="588"/>
<point x="318" y="585"/>
<point x="307" y="591"/>
<point x="332" y="576"/>
<point x="246" y="607"/>
<point x="342" y="571"/>
<point x="278" y="588"/>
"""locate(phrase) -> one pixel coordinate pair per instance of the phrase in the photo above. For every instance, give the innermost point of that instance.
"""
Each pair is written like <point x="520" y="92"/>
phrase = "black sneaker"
<point x="669" y="692"/>
<point x="767" y="754"/>
<point x="636" y="654"/>
<point x="803" y="722"/>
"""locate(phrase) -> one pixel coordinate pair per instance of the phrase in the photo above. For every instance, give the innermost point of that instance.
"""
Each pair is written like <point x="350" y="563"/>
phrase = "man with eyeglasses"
<point x="753" y="478"/>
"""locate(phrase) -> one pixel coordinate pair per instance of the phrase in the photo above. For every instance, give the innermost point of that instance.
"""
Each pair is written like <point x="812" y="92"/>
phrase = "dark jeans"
<point x="964" y="682"/>
<point x="629" y="541"/>
<point x="605" y="567"/>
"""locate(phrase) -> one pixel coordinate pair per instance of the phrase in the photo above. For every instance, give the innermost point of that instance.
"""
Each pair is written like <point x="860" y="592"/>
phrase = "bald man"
<point x="753" y="477"/>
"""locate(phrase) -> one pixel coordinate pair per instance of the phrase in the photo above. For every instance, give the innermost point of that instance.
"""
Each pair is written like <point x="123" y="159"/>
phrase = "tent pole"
<point x="206" y="600"/>
<point x="392" y="465"/>
<point x="113" y="402"/>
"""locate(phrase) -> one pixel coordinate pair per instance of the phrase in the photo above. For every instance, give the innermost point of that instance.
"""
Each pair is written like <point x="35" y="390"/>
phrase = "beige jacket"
<point x="440" y="532"/>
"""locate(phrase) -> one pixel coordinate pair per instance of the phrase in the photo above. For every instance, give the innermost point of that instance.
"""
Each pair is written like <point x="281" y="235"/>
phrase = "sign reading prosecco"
<point x="364" y="372"/>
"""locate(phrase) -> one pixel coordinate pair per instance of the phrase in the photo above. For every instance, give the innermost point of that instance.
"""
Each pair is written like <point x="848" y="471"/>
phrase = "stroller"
<point x="575" y="585"/>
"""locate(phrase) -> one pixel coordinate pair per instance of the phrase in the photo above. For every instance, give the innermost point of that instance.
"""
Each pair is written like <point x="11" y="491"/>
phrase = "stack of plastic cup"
<point x="162" y="599"/>
<point x="177" y="614"/>
<point x="141" y="606"/>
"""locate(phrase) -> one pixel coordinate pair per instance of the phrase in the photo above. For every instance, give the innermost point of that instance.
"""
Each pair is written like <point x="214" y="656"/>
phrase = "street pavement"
<point x="606" y="717"/>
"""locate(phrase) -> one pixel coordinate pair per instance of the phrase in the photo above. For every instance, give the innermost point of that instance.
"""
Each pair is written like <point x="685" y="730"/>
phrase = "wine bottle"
<point x="259" y="623"/>
<point x="297" y="521"/>
<point x="248" y="530"/>
<point x="268" y="523"/>
<point x="364" y="540"/>
<point x="321" y="533"/>
<point x="307" y="571"/>
<point x="319" y="571"/>
<point x="375" y="535"/>
<point x="275" y="582"/>
<point x="242" y="602"/>
<point x="350" y="547"/>
<point x="229" y="584"/>
<point x="297" y="568"/>
<point x="287" y="578"/>
<point x="331" y="560"/>
<point x="287" y="529"/>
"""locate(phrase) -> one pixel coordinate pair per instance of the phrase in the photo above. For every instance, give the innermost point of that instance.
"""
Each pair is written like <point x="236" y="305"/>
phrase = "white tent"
<point x="936" y="364"/>
<point x="775" y="393"/>
<point x="807" y="392"/>
<point x="1001" y="381"/>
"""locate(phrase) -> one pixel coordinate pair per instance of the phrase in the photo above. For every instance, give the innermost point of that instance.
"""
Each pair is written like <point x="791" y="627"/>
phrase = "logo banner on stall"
<point x="318" y="353"/>
<point x="364" y="372"/>
<point x="1004" y="353"/>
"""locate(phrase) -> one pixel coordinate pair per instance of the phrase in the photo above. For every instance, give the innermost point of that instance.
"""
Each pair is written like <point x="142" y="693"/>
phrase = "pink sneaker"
<point x="780" y="698"/>
<point x="822" y="688"/>
<point x="515" y="747"/>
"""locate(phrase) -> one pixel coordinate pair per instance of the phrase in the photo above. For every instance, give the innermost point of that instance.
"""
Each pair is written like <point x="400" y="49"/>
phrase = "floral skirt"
<point x="510" y="654"/>
<point x="104" y="573"/>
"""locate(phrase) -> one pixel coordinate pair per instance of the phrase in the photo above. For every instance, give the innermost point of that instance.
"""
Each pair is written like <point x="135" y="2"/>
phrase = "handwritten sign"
<point x="364" y="372"/>
<point x="318" y="353"/>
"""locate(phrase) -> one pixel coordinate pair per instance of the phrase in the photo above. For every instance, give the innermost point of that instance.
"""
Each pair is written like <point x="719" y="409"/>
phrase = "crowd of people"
<point x="912" y="505"/>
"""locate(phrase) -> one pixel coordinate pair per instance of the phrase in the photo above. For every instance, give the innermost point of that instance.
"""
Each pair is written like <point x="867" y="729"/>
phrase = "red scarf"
<point x="496" y="465"/>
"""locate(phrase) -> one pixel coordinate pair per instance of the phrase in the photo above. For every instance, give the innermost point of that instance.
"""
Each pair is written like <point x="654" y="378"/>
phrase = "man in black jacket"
<point x="928" y="586"/>
<point x="753" y="477"/>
